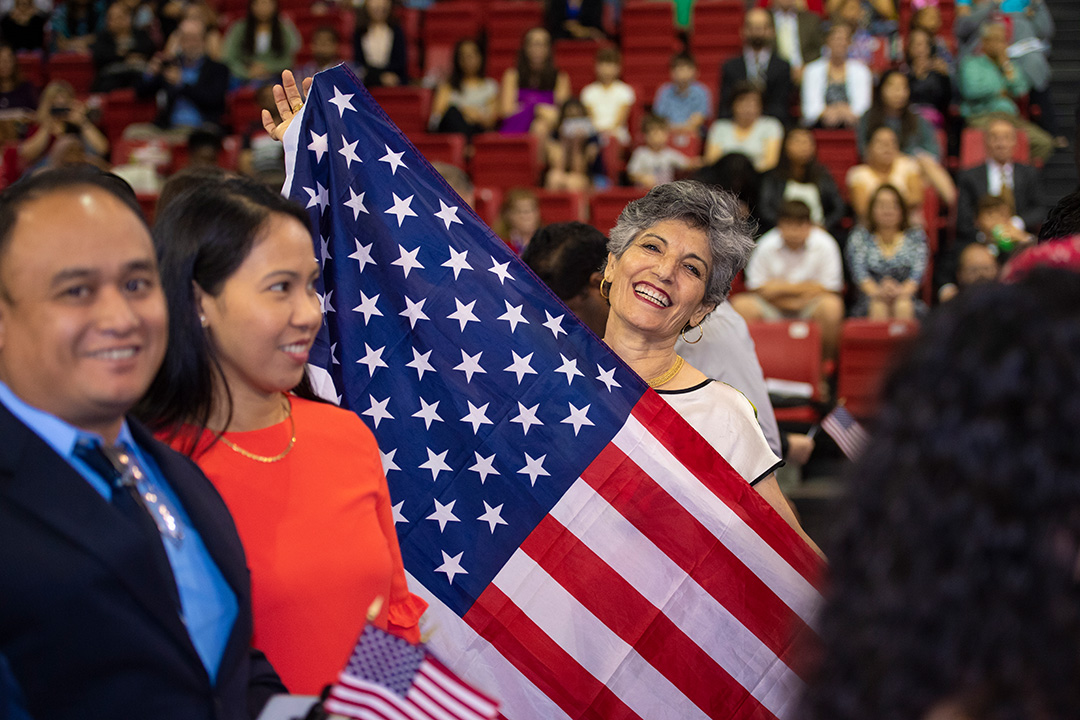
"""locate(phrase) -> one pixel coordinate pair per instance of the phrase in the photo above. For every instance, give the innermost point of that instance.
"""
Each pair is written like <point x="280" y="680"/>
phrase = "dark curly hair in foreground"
<point x="955" y="588"/>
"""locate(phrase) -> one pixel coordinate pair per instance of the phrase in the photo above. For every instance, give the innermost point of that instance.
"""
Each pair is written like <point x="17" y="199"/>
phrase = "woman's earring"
<point x="701" y="334"/>
<point x="202" y="320"/>
<point x="606" y="294"/>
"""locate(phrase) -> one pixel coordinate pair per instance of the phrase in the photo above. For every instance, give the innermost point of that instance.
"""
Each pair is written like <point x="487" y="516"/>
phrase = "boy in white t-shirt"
<point x="608" y="99"/>
<point x="795" y="271"/>
<point x="655" y="163"/>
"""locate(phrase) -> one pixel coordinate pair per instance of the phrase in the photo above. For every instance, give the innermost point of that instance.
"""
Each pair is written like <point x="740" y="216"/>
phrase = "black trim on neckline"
<point x="700" y="385"/>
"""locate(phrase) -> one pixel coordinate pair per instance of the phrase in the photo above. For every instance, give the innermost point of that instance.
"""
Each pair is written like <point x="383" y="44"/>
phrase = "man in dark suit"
<point x="123" y="583"/>
<point x="760" y="65"/>
<point x="999" y="175"/>
<point x="799" y="38"/>
<point x="190" y="87"/>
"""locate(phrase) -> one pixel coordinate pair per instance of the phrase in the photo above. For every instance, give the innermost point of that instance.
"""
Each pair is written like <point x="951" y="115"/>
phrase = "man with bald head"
<point x="123" y="583"/>
<point x="760" y="65"/>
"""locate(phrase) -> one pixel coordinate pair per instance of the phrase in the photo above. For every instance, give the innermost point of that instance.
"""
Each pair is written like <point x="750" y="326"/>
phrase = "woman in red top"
<point x="302" y="478"/>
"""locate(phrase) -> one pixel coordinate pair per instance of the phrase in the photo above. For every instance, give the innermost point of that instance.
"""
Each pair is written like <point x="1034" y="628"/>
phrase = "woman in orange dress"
<point x="302" y="478"/>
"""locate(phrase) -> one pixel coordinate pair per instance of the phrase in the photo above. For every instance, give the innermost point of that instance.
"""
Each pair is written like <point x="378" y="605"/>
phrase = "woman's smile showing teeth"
<point x="652" y="294"/>
<point x="115" y="353"/>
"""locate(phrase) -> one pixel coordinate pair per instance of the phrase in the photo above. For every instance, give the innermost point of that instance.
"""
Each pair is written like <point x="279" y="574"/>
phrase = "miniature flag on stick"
<point x="848" y="432"/>
<point x="388" y="677"/>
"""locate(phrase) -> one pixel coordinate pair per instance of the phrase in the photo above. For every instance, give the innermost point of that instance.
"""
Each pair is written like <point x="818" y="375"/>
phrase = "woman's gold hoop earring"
<point x="701" y="334"/>
<point x="605" y="295"/>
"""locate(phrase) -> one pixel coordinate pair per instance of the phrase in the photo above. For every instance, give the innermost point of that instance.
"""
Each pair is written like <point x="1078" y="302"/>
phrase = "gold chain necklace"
<point x="263" y="458"/>
<point x="667" y="376"/>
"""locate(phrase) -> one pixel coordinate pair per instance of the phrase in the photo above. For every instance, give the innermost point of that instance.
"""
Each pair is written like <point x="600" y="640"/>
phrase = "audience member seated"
<point x="684" y="102"/>
<point x="836" y="91"/>
<point x="379" y="45"/>
<point x="799" y="176"/>
<point x="575" y="19"/>
<point x="991" y="83"/>
<point x="519" y="218"/>
<point x="120" y="52"/>
<point x="758" y="64"/>
<point x="573" y="150"/>
<point x="18" y="96"/>
<point x="567" y="257"/>
<point x="190" y="87"/>
<point x="608" y="99"/>
<point x="261" y="45"/>
<point x="325" y="53"/>
<point x="917" y="137"/>
<point x="927" y="19"/>
<point x="76" y="23"/>
<point x="213" y="40"/>
<point x="885" y="164"/>
<point x="203" y="150"/>
<point x="24" y="27"/>
<point x="467" y="103"/>
<point x="795" y="271"/>
<point x="995" y="228"/>
<point x="929" y="79"/>
<point x="533" y="90"/>
<point x="748" y="131"/>
<point x="799" y="37"/>
<point x="735" y="173"/>
<point x="262" y="157"/>
<point x="60" y="115"/>
<point x="864" y="44"/>
<point x="879" y="16"/>
<point x="655" y="162"/>
<point x="1017" y="183"/>
<point x="977" y="266"/>
<point x="887" y="259"/>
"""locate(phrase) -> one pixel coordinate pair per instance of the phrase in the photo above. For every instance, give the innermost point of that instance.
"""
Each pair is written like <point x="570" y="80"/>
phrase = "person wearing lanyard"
<point x="124" y="584"/>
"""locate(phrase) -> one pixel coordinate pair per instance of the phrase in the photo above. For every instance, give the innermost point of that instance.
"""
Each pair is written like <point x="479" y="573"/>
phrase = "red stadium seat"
<point x="504" y="161"/>
<point x="75" y="68"/>
<point x="790" y="356"/>
<point x="409" y="107"/>
<point x="561" y="206"/>
<point x="507" y="22"/>
<point x="487" y="204"/>
<point x="867" y="348"/>
<point x="31" y="66"/>
<point x="444" y="24"/>
<point x="605" y="206"/>
<point x="648" y="69"/>
<point x="973" y="148"/>
<point x="716" y="26"/>
<point x="441" y="147"/>
<point x="122" y="108"/>
<point x="837" y="151"/>
<point x="647" y="25"/>
<point x="243" y="109"/>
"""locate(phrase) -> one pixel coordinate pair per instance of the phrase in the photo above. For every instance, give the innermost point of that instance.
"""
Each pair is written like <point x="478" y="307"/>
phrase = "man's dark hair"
<point x="58" y="180"/>
<point x="1063" y="220"/>
<point x="795" y="211"/>
<point x="204" y="138"/>
<point x="682" y="58"/>
<point x="565" y="255"/>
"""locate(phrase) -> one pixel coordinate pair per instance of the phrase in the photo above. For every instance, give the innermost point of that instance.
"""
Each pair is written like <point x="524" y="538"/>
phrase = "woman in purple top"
<point x="534" y="90"/>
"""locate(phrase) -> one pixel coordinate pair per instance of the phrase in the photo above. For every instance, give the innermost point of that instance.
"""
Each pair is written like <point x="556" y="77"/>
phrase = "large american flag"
<point x="585" y="553"/>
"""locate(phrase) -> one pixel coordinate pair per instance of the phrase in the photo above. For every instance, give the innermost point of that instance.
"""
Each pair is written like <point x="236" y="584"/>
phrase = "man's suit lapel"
<point x="208" y="514"/>
<point x="35" y="478"/>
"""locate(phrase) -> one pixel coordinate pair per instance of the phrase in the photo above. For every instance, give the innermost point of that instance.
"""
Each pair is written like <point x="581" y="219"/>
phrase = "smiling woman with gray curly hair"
<point x="671" y="259"/>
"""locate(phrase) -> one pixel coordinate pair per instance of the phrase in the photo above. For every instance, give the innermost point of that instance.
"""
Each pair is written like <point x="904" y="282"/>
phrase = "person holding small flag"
<point x="302" y="478"/>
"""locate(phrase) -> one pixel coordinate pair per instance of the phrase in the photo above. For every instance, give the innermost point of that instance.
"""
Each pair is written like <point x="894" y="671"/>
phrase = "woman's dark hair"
<point x="813" y="171"/>
<point x="202" y="236"/>
<point x="363" y="20"/>
<point x="83" y="10"/>
<point x="877" y="115"/>
<point x="745" y="87"/>
<point x="954" y="574"/>
<point x="457" y="74"/>
<point x="735" y="173"/>
<point x="277" y="31"/>
<point x="871" y="224"/>
<point x="542" y="79"/>
<point x="929" y="41"/>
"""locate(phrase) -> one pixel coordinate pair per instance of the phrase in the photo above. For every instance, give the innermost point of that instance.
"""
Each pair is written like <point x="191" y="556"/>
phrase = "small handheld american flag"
<point x="848" y="432"/>
<point x="389" y="677"/>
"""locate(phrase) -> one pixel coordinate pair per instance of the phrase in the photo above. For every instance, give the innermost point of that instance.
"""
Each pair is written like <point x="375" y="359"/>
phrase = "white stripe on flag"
<point x="376" y="697"/>
<point x="339" y="708"/>
<point x="756" y="554"/>
<point x="591" y="643"/>
<point x="425" y="691"/>
<point x="652" y="573"/>
<point x="473" y="702"/>
<point x="480" y="664"/>
<point x="430" y="705"/>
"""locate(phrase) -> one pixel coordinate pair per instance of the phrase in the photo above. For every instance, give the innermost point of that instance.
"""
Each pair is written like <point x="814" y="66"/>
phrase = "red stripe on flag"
<point x="658" y="640"/>
<point x="695" y="453"/>
<point x="691" y="546"/>
<point x="540" y="659"/>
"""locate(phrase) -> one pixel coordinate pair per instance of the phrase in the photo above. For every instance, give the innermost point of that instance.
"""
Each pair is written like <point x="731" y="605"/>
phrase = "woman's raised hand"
<point x="289" y="99"/>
